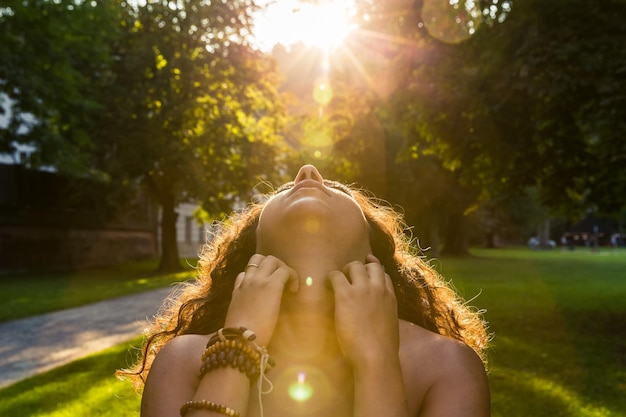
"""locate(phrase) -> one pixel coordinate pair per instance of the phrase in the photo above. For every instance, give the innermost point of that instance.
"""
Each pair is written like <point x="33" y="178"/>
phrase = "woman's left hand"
<point x="366" y="316"/>
<point x="257" y="295"/>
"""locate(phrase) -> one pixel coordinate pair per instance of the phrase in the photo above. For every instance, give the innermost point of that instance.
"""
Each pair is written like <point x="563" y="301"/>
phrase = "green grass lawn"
<point x="559" y="324"/>
<point x="27" y="295"/>
<point x="559" y="346"/>
<point x="84" y="388"/>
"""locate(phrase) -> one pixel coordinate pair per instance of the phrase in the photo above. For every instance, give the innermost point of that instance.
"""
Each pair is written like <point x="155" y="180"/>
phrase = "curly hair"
<point x="199" y="306"/>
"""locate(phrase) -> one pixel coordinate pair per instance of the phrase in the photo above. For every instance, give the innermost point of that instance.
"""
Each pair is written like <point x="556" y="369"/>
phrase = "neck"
<point x="313" y="256"/>
<point x="312" y="262"/>
<point x="304" y="337"/>
<point x="306" y="324"/>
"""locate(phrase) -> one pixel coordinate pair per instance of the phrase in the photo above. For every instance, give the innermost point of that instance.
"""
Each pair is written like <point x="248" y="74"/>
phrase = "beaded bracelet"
<point x="207" y="405"/>
<point x="236" y="347"/>
<point x="230" y="345"/>
<point x="232" y="333"/>
<point x="234" y="354"/>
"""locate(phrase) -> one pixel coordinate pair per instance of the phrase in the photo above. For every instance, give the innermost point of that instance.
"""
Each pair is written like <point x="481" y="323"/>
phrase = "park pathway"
<point x="37" y="344"/>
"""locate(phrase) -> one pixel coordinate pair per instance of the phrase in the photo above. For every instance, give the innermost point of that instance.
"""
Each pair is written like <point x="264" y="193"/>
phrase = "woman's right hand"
<point x="366" y="312"/>
<point x="257" y="295"/>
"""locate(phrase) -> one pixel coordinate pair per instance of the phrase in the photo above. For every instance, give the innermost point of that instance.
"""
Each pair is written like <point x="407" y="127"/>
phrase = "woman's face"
<point x="312" y="207"/>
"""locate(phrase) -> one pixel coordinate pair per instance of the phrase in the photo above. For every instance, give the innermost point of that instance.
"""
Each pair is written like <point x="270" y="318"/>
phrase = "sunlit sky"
<point x="323" y="24"/>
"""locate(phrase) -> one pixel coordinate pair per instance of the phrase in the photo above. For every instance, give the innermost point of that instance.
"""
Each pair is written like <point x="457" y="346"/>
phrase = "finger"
<point x="275" y="269"/>
<point x="389" y="284"/>
<point x="376" y="276"/>
<point x="371" y="258"/>
<point x="268" y="264"/>
<point x="337" y="281"/>
<point x="256" y="259"/>
<point x="253" y="263"/>
<point x="355" y="272"/>
<point x="239" y="279"/>
<point x="375" y="271"/>
<point x="288" y="277"/>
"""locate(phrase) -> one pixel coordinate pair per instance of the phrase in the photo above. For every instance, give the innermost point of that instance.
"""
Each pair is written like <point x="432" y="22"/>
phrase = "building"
<point x="190" y="235"/>
<point x="53" y="222"/>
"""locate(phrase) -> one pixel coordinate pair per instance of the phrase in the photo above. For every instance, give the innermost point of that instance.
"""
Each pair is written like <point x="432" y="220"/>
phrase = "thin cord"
<point x="262" y="377"/>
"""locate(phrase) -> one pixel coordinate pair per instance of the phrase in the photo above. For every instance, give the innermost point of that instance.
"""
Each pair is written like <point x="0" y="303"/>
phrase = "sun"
<point x="323" y="24"/>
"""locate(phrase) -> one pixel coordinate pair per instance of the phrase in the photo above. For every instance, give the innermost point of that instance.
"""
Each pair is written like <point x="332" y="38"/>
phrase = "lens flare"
<point x="319" y="24"/>
<point x="322" y="93"/>
<point x="451" y="21"/>
<point x="300" y="390"/>
<point x="312" y="225"/>
<point x="316" y="145"/>
<point x="308" y="281"/>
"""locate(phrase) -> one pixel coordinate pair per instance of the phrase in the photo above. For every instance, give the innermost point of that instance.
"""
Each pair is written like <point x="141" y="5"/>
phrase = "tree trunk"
<point x="169" y="245"/>
<point x="456" y="240"/>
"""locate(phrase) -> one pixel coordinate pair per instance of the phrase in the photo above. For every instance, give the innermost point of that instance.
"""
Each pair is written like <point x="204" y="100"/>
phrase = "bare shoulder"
<point x="173" y="376"/>
<point x="181" y="351"/>
<point x="186" y="343"/>
<point x="446" y="375"/>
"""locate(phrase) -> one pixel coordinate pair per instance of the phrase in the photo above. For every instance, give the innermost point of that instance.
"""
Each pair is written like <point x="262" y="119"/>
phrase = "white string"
<point x="265" y="357"/>
<point x="262" y="377"/>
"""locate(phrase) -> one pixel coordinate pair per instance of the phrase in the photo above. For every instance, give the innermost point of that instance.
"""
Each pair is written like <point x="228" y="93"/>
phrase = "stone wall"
<point x="30" y="249"/>
<point x="51" y="222"/>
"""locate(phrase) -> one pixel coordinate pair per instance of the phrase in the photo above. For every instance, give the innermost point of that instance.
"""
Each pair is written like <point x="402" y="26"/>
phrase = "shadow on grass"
<point x="86" y="387"/>
<point x="538" y="378"/>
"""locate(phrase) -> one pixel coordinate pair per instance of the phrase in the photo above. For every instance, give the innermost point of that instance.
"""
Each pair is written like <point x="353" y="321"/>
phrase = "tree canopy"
<point x="170" y="94"/>
<point x="442" y="107"/>
<point x="480" y="100"/>
<point x="54" y="59"/>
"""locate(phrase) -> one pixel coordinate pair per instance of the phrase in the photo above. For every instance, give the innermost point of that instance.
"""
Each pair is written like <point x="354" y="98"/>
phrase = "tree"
<point x="199" y="103"/>
<point x="530" y="97"/>
<point x="180" y="102"/>
<point x="558" y="100"/>
<point x="399" y="65"/>
<point x="54" y="58"/>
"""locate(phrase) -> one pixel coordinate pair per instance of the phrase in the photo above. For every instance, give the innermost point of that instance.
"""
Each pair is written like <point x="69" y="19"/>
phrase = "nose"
<point x="308" y="172"/>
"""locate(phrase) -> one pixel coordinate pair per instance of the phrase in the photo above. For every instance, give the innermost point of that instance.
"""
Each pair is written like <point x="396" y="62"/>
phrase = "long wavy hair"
<point x="199" y="306"/>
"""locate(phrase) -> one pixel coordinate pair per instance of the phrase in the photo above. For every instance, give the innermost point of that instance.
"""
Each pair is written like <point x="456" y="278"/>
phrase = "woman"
<point x="325" y="311"/>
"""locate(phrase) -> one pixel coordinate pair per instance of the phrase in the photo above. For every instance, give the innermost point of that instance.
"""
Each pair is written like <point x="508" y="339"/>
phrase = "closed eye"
<point x="330" y="184"/>
<point x="285" y="187"/>
<point x="338" y="186"/>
